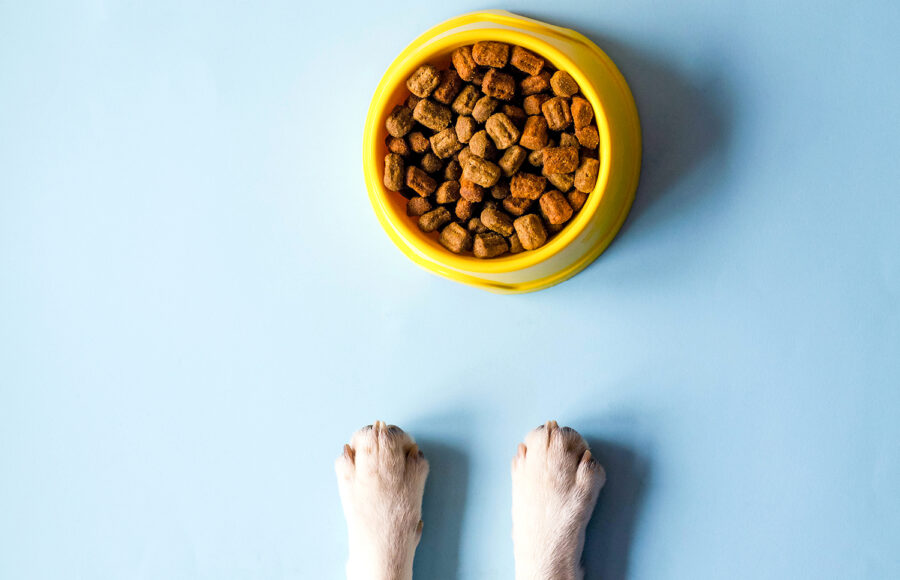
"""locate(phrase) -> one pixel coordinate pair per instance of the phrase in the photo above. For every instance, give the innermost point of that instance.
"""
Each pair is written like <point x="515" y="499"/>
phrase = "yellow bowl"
<point x="592" y="229"/>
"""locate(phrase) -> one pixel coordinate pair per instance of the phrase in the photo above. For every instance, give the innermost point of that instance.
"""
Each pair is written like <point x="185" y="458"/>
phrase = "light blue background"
<point x="197" y="306"/>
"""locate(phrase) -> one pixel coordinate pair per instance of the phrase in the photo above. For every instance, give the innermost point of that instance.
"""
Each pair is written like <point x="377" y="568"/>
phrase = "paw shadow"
<point x="686" y="120"/>
<point x="611" y="531"/>
<point x="443" y="506"/>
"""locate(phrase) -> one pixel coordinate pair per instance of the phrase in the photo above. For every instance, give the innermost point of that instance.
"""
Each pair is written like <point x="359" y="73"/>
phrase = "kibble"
<point x="393" y="172"/>
<point x="432" y="115"/>
<point x="489" y="245"/>
<point x="400" y="121"/>
<point x="489" y="53"/>
<point x="502" y="130"/>
<point x="417" y="206"/>
<point x="560" y="159"/>
<point x="457" y="146"/>
<point x="586" y="175"/>
<point x="455" y="238"/>
<point x="423" y="81"/>
<point x="496" y="220"/>
<point x="420" y="182"/>
<point x="530" y="230"/>
<point x="434" y="219"/>
<point x="563" y="84"/>
<point x="555" y="208"/>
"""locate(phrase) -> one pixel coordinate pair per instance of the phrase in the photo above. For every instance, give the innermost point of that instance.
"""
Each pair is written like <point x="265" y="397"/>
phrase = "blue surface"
<point x="197" y="306"/>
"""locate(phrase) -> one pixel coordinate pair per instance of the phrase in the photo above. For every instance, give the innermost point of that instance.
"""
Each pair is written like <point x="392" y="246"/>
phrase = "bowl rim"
<point x="436" y="44"/>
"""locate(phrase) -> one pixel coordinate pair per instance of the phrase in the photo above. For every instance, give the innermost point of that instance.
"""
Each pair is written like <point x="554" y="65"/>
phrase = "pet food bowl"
<point x="591" y="230"/>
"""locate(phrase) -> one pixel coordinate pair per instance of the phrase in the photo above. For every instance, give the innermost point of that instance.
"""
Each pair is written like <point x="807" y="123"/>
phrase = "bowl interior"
<point x="393" y="91"/>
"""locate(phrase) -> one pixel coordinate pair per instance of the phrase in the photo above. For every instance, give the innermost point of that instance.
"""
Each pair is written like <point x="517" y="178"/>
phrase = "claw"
<point x="413" y="451"/>
<point x="552" y="425"/>
<point x="379" y="426"/>
<point x="587" y="457"/>
<point x="520" y="452"/>
<point x="349" y="453"/>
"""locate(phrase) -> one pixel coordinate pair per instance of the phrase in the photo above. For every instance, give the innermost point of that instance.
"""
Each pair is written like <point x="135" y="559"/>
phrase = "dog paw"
<point x="381" y="479"/>
<point x="556" y="483"/>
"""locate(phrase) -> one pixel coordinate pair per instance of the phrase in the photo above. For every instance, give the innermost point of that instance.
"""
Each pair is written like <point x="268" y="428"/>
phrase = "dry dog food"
<point x="494" y="154"/>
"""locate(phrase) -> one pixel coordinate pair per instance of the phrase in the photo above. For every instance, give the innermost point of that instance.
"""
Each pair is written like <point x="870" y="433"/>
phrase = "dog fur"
<point x="381" y="479"/>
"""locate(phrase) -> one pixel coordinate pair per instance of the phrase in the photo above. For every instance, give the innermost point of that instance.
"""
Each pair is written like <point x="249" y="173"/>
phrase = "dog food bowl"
<point x="591" y="230"/>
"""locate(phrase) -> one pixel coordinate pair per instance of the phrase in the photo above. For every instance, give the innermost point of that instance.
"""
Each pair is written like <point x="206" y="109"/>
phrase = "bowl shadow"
<point x="686" y="120"/>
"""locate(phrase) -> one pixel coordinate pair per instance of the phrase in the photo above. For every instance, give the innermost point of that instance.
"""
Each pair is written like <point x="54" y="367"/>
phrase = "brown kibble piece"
<point x="480" y="144"/>
<point x="497" y="221"/>
<point x="532" y="103"/>
<point x="484" y="107"/>
<point x="498" y="85"/>
<point x="455" y="238"/>
<point x="512" y="160"/>
<point x="563" y="84"/>
<point x="515" y="246"/>
<point x="478" y="77"/>
<point x="555" y="208"/>
<point x="463" y="62"/>
<point x="588" y="136"/>
<point x="463" y="155"/>
<point x="412" y="101"/>
<point x="434" y="219"/>
<point x="582" y="112"/>
<point x="393" y="172"/>
<point x="516" y="114"/>
<point x="470" y="190"/>
<point x="527" y="185"/>
<point x="430" y="163"/>
<point x="490" y="53"/>
<point x="417" y="206"/>
<point x="465" y="101"/>
<point x="560" y="159"/>
<point x="464" y="209"/>
<point x="502" y="130"/>
<point x="561" y="181"/>
<point x="489" y="245"/>
<point x="534" y="135"/>
<point x="453" y="170"/>
<point x="516" y="205"/>
<point x="447" y="192"/>
<point x="568" y="140"/>
<point x="586" y="175"/>
<point x="419" y="181"/>
<point x="400" y="121"/>
<point x="424" y="80"/>
<point x="475" y="226"/>
<point x="433" y="115"/>
<point x="576" y="199"/>
<point x="419" y="142"/>
<point x="556" y="111"/>
<point x="535" y="84"/>
<point x="465" y="128"/>
<point x="526" y="61"/>
<point x="500" y="190"/>
<point x="450" y="86"/>
<point x="481" y="171"/>
<point x="397" y="145"/>
<point x="445" y="143"/>
<point x="531" y="231"/>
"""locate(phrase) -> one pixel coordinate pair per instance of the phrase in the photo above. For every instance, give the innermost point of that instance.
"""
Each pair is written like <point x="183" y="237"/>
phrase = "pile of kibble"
<point x="495" y="153"/>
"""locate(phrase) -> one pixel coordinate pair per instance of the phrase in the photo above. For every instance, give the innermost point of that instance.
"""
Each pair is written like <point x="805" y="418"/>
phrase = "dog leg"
<point x="555" y="487"/>
<point x="381" y="478"/>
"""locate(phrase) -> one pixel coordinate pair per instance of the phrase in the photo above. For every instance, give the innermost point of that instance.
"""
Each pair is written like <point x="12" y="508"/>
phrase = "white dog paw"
<point x="556" y="482"/>
<point x="381" y="479"/>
